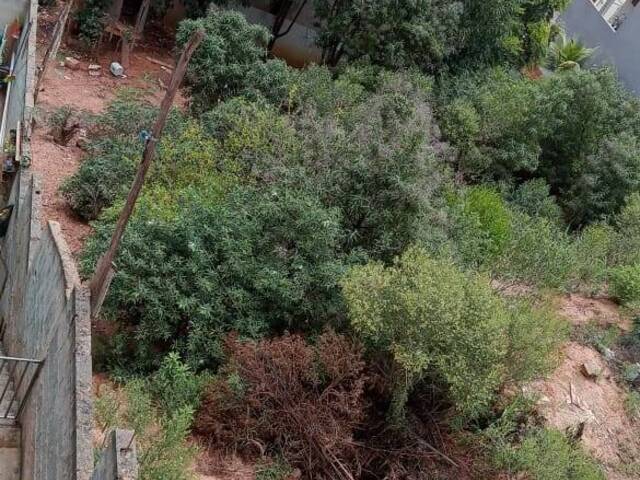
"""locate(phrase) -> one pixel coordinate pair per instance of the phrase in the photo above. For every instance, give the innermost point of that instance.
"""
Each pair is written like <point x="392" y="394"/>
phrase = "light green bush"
<point x="174" y="385"/>
<point x="535" y="335"/>
<point x="539" y="253"/>
<point x="626" y="244"/>
<point x="481" y="226"/>
<point x="164" y="450"/>
<point x="431" y="317"/>
<point x="492" y="215"/>
<point x="624" y="284"/>
<point x="594" y="247"/>
<point x="547" y="455"/>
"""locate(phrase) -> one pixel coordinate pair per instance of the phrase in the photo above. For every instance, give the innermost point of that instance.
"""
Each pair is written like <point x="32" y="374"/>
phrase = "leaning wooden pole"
<point x="99" y="283"/>
<point x="54" y="46"/>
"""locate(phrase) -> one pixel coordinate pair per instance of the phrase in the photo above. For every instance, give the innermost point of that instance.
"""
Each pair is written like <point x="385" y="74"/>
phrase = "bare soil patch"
<point x="83" y="93"/>
<point x="581" y="310"/>
<point x="569" y="400"/>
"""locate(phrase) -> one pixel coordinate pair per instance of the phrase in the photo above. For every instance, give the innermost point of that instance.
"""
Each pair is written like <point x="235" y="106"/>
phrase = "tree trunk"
<point x="103" y="274"/>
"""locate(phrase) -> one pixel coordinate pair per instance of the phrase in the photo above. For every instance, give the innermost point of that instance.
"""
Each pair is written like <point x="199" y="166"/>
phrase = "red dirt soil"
<point x="82" y="92"/>
<point x="568" y="398"/>
<point x="580" y="310"/>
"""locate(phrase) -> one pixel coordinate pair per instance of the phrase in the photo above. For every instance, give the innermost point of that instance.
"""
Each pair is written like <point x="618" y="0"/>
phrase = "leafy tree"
<point x="579" y="111"/>
<point x="509" y="128"/>
<point x="512" y="31"/>
<point x="605" y="179"/>
<point x="231" y="60"/>
<point x="396" y="34"/>
<point x="534" y="198"/>
<point x="489" y="117"/>
<point x="375" y="162"/>
<point x="433" y="320"/>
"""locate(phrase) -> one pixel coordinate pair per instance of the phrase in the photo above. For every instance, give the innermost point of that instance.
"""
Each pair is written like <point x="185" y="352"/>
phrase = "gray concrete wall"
<point x="20" y="102"/>
<point x="618" y="48"/>
<point x="118" y="459"/>
<point x="47" y="313"/>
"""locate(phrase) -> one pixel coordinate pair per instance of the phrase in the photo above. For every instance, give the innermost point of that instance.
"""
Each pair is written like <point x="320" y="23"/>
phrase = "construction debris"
<point x="116" y="69"/>
<point x="95" y="70"/>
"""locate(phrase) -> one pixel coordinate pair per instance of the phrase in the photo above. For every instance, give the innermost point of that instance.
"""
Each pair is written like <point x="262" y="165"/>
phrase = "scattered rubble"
<point x="94" y="70"/>
<point x="72" y="63"/>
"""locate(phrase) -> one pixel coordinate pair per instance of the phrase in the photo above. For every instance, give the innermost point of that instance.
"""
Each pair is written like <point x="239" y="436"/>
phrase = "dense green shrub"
<point x="255" y="261"/>
<point x="376" y="163"/>
<point x="502" y="31"/>
<point x="605" y="179"/>
<point x="594" y="256"/>
<point x="540" y="253"/>
<point x="626" y="243"/>
<point x="103" y="177"/>
<point x="431" y="319"/>
<point x="489" y="117"/>
<point x="548" y="455"/>
<point x="483" y="226"/>
<point x="91" y="20"/>
<point x="175" y="386"/>
<point x="624" y="284"/>
<point x="533" y="198"/>
<point x="231" y="61"/>
<point x="535" y="335"/>
<point x="394" y="34"/>
<point x="508" y="127"/>
<point x="186" y="157"/>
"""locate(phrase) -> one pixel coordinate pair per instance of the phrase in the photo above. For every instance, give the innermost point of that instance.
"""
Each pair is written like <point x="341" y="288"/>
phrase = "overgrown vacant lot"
<point x="413" y="261"/>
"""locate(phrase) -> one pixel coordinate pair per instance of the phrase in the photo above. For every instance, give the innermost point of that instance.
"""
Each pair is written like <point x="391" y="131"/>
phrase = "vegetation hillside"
<point x="348" y="271"/>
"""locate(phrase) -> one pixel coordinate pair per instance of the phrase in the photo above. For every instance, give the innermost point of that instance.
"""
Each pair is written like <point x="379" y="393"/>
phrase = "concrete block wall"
<point x="47" y="314"/>
<point x="118" y="460"/>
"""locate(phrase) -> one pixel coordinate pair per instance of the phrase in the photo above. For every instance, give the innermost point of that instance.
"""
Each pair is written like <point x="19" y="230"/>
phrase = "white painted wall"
<point x="620" y="48"/>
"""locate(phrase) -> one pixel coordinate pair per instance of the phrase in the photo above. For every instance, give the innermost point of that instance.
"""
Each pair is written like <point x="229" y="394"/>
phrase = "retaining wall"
<point x="47" y="314"/>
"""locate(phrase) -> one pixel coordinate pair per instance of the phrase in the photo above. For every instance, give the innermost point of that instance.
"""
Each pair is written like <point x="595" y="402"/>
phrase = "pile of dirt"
<point x="591" y="408"/>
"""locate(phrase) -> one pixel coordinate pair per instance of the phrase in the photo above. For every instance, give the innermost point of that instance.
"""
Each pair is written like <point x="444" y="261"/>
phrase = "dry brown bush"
<point x="305" y="400"/>
<point x="323" y="409"/>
